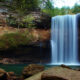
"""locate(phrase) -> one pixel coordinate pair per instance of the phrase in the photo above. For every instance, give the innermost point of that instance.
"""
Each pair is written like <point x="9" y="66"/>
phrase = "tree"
<point x="2" y="0"/>
<point x="76" y="9"/>
<point x="22" y="8"/>
<point x="47" y="4"/>
<point x="25" y="5"/>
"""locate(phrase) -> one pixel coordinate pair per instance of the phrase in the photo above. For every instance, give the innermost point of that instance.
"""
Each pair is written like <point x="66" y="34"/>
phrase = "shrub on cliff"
<point x="13" y="40"/>
<point x="29" y="21"/>
<point x="2" y="0"/>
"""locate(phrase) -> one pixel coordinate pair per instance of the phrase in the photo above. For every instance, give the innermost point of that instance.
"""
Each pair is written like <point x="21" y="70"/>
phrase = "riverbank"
<point x="19" y="72"/>
<point x="18" y="68"/>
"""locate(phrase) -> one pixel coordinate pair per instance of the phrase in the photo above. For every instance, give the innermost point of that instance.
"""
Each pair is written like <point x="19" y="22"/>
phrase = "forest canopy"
<point x="25" y="6"/>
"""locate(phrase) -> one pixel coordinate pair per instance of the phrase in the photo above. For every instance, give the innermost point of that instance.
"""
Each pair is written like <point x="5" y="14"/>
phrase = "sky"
<point x="67" y="3"/>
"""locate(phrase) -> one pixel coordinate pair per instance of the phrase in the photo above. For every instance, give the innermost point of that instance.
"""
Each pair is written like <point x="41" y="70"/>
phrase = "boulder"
<point x="8" y="61"/>
<point x="11" y="73"/>
<point x="32" y="69"/>
<point x="12" y="76"/>
<point x="60" y="73"/>
<point x="15" y="78"/>
<point x="3" y="74"/>
<point x="64" y="66"/>
<point x="35" y="77"/>
<point x="2" y="71"/>
<point x="78" y="69"/>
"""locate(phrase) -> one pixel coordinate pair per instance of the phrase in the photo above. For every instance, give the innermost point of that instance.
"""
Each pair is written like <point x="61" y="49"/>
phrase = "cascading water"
<point x="64" y="40"/>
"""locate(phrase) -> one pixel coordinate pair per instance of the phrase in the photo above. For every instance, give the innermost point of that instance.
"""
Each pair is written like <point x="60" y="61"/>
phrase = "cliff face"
<point x="42" y="20"/>
<point x="41" y="35"/>
<point x="38" y="34"/>
<point x="38" y="50"/>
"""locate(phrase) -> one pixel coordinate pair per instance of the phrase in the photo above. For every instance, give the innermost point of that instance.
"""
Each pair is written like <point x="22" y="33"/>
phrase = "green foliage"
<point x="48" y="11"/>
<point x="32" y="4"/>
<point x="2" y="0"/>
<point x="26" y="21"/>
<point x="29" y="36"/>
<point x="11" y="21"/>
<point x="48" y="7"/>
<point x="13" y="40"/>
<point x="57" y="11"/>
<point x="24" y="5"/>
<point x="48" y="4"/>
<point x="54" y="11"/>
<point x="21" y="8"/>
<point x="76" y="9"/>
<point x="3" y="45"/>
<point x="29" y="20"/>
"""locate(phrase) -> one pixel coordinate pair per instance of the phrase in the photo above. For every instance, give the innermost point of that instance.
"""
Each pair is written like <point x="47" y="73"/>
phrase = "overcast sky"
<point x="61" y="3"/>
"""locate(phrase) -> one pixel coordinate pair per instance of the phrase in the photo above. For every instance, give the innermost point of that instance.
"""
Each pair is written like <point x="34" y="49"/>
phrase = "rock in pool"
<point x="32" y="69"/>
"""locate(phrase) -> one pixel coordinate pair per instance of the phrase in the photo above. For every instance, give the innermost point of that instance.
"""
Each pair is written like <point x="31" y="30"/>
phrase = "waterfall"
<point x="64" y="36"/>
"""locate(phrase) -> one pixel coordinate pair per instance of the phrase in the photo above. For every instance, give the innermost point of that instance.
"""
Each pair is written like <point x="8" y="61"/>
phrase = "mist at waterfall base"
<point x="64" y="40"/>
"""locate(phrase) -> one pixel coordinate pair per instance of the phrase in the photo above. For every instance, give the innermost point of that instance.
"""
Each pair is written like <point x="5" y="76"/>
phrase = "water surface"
<point x="17" y="68"/>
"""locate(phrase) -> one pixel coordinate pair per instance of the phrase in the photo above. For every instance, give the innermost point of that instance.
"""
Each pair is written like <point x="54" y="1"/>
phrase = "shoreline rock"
<point x="37" y="72"/>
<point x="32" y="69"/>
<point x="8" y="61"/>
<point x="60" y="73"/>
<point x="57" y="73"/>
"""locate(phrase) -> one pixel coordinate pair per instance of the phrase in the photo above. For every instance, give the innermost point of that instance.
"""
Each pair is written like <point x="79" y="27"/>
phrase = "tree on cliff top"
<point x="76" y="9"/>
<point x="25" y="5"/>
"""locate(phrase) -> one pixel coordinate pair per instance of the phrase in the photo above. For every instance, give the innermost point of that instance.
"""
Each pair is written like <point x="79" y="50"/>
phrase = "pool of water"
<point x="17" y="68"/>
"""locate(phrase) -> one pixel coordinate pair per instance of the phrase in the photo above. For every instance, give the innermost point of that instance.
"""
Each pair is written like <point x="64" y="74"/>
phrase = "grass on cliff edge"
<point x="13" y="40"/>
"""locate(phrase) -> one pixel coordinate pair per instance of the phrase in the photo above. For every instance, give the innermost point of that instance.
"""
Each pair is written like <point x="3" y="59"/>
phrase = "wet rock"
<point x="15" y="78"/>
<point x="2" y="71"/>
<point x="11" y="73"/>
<point x="77" y="69"/>
<point x="54" y="78"/>
<point x="12" y="76"/>
<point x="4" y="77"/>
<point x="32" y="69"/>
<point x="3" y="74"/>
<point x="64" y="66"/>
<point x="60" y="73"/>
<point x="8" y="61"/>
<point x="35" y="77"/>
